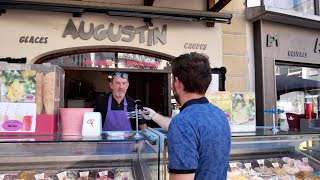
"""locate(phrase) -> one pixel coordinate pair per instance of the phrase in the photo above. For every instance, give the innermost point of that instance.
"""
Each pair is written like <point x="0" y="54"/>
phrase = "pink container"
<point x="71" y="120"/>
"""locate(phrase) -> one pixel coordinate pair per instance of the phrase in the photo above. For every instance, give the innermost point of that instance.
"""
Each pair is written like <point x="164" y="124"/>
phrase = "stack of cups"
<point x="72" y="119"/>
<point x="175" y="111"/>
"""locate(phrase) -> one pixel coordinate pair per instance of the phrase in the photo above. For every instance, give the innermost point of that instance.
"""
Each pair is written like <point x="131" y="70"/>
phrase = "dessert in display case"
<point x="124" y="157"/>
<point x="30" y="96"/>
<point x="265" y="155"/>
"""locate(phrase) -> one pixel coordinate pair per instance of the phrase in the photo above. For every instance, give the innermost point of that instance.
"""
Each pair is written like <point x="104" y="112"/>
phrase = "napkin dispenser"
<point x="92" y="124"/>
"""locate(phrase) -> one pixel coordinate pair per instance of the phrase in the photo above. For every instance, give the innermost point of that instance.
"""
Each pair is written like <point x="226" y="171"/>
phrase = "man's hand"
<point x="138" y="146"/>
<point x="147" y="113"/>
<point x="150" y="114"/>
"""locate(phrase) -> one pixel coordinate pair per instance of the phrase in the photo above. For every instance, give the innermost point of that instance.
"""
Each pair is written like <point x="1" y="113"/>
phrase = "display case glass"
<point x="72" y="157"/>
<point x="260" y="155"/>
<point x="265" y="155"/>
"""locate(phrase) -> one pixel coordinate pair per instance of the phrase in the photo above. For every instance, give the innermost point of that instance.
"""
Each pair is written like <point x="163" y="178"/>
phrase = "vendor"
<point x="118" y="109"/>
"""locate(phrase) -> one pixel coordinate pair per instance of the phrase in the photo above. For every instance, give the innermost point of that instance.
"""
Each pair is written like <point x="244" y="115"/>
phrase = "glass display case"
<point x="265" y="155"/>
<point x="71" y="157"/>
<point x="30" y="97"/>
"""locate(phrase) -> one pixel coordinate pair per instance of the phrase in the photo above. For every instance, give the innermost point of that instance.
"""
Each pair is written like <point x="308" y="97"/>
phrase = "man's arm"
<point x="181" y="176"/>
<point x="162" y="121"/>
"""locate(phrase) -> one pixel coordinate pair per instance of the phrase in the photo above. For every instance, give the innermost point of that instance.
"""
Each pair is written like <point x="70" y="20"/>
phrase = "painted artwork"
<point x="221" y="99"/>
<point x="239" y="107"/>
<point x="243" y="109"/>
<point x="18" y="86"/>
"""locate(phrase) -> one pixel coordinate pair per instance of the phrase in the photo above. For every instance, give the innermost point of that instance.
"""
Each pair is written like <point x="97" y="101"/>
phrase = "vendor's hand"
<point x="147" y="113"/>
<point x="138" y="146"/>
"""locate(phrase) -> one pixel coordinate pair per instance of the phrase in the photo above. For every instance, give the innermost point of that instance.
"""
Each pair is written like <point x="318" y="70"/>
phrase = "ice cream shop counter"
<point x="257" y="155"/>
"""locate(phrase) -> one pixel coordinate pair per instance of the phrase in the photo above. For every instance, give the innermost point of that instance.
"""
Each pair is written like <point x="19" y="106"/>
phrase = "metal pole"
<point x="137" y="125"/>
<point x="317" y="7"/>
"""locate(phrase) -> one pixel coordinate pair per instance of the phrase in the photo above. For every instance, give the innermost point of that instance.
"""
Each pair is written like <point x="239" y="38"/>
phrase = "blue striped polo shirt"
<point x="199" y="141"/>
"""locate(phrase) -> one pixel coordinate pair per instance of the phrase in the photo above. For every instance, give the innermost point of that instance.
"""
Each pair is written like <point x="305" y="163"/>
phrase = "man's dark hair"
<point x="193" y="70"/>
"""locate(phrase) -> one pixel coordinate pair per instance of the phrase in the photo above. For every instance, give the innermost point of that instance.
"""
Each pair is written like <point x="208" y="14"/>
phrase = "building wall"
<point x="237" y="49"/>
<point x="17" y="23"/>
<point x="228" y="45"/>
<point x="34" y="23"/>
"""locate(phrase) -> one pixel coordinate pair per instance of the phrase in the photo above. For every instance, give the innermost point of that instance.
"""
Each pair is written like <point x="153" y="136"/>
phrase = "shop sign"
<point x="272" y="40"/>
<point x="138" y="60"/>
<point x="14" y="60"/>
<point x="195" y="46"/>
<point x="297" y="54"/>
<point x="98" y="62"/>
<point x="33" y="39"/>
<point x="317" y="46"/>
<point x="124" y="33"/>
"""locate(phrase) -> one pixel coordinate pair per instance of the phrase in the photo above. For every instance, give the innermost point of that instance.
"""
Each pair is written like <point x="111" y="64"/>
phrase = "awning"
<point x="79" y="7"/>
<point x="289" y="83"/>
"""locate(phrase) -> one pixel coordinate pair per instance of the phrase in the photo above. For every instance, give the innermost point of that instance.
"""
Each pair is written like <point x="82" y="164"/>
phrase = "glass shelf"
<point x="261" y="131"/>
<point x="128" y="136"/>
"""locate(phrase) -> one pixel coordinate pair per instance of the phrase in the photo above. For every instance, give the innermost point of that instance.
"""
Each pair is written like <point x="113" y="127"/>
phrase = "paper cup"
<point x="174" y="113"/>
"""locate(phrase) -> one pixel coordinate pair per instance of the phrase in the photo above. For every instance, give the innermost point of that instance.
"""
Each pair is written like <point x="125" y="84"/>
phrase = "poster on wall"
<point x="214" y="84"/>
<point x="243" y="116"/>
<point x="18" y="86"/>
<point x="17" y="117"/>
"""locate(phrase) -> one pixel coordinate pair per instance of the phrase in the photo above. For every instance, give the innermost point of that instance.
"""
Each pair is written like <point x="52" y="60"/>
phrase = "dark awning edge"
<point x="118" y="10"/>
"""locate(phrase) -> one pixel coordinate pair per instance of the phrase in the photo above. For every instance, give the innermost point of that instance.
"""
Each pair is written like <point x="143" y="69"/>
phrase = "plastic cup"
<point x="174" y="113"/>
<point x="27" y="122"/>
<point x="3" y="118"/>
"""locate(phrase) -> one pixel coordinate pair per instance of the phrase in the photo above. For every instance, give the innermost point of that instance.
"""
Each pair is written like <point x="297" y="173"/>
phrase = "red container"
<point x="293" y="121"/>
<point x="308" y="111"/>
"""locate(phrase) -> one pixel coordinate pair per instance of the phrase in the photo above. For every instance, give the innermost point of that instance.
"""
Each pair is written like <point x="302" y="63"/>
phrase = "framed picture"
<point x="221" y="72"/>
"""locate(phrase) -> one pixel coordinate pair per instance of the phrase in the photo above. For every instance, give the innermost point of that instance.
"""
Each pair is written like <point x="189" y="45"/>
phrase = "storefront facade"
<point x="286" y="49"/>
<point x="38" y="35"/>
<point x="46" y="36"/>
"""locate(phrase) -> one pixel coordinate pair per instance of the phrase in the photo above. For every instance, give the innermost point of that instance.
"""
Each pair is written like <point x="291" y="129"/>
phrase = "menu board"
<point x="214" y="84"/>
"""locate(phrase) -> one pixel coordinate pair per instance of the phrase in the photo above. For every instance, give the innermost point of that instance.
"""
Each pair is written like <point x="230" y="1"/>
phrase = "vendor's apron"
<point x="117" y="120"/>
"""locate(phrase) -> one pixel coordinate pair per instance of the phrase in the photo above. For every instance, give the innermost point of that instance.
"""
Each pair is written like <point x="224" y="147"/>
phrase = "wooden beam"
<point x="216" y="6"/>
<point x="211" y="3"/>
<point x="219" y="5"/>
<point x="148" y="20"/>
<point x="148" y="2"/>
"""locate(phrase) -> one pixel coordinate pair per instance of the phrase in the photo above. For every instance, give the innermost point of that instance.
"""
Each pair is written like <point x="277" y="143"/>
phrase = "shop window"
<point x="297" y="86"/>
<point x="111" y="60"/>
<point x="253" y="3"/>
<point x="303" y="6"/>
